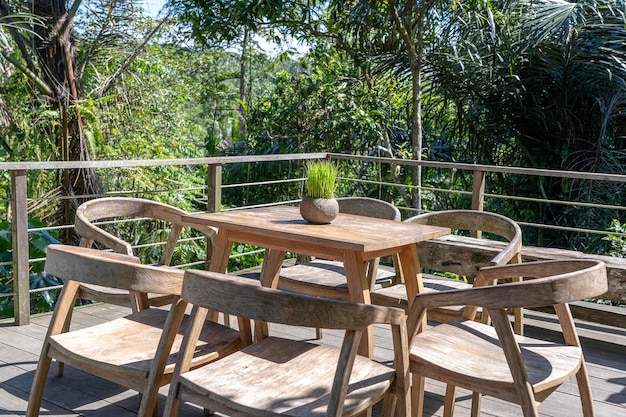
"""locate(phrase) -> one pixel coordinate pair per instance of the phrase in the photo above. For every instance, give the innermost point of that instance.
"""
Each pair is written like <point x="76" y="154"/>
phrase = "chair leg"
<point x="518" y="312"/>
<point x="519" y="321"/>
<point x="518" y="315"/>
<point x="172" y="404"/>
<point x="389" y="406"/>
<point x="448" y="405"/>
<point x="417" y="395"/>
<point x="476" y="399"/>
<point x="60" y="366"/>
<point x="527" y="402"/>
<point x="155" y="409"/>
<point x="227" y="320"/>
<point x="584" y="390"/>
<point x="39" y="383"/>
<point x="318" y="333"/>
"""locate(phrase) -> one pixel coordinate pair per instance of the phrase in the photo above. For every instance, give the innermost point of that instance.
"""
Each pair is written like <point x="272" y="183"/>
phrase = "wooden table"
<point x="349" y="238"/>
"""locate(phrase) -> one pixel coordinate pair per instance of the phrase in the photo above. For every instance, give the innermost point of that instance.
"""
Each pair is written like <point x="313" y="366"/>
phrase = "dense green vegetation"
<point x="533" y="83"/>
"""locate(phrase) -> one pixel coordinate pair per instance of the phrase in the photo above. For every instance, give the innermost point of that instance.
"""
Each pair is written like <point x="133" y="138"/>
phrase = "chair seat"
<point x="125" y="347"/>
<point x="287" y="369"/>
<point x="469" y="353"/>
<point x="324" y="278"/>
<point x="395" y="296"/>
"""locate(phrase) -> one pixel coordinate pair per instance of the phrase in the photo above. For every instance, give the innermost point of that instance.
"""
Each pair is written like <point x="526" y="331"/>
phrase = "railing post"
<point x="19" y="222"/>
<point x="214" y="200"/>
<point x="214" y="188"/>
<point x="478" y="190"/>
<point x="478" y="195"/>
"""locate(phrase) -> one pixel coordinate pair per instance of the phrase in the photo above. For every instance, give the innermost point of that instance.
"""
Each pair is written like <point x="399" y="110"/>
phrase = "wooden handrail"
<point x="486" y="168"/>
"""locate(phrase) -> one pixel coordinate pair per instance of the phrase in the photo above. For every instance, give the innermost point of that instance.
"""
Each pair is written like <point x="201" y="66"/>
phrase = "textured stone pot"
<point x="319" y="210"/>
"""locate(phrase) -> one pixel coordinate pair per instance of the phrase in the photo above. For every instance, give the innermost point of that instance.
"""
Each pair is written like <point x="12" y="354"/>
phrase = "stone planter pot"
<point x="319" y="210"/>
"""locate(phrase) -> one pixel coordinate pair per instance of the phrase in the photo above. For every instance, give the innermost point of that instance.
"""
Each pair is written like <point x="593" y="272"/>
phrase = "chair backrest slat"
<point x="110" y="269"/>
<point x="545" y="283"/>
<point x="125" y="207"/>
<point x="368" y="207"/>
<point x="247" y="298"/>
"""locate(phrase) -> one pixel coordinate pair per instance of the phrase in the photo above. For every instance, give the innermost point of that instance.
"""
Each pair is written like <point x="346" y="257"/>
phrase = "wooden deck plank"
<point x="80" y="394"/>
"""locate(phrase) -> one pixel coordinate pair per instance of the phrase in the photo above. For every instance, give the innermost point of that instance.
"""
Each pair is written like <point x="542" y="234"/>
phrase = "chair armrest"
<point x="90" y="233"/>
<point x="508" y="253"/>
<point x="208" y="231"/>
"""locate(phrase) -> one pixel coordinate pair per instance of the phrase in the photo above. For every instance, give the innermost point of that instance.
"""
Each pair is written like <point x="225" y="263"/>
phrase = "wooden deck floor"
<point x="80" y="394"/>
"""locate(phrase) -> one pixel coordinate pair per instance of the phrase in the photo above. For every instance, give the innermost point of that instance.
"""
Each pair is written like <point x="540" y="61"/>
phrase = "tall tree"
<point x="46" y="53"/>
<point x="539" y="84"/>
<point x="48" y="59"/>
<point x="222" y="24"/>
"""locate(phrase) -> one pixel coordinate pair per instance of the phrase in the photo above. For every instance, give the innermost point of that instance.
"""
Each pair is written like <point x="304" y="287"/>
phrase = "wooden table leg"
<point x="270" y="271"/>
<point x="358" y="287"/>
<point x="219" y="263"/>
<point x="221" y="252"/>
<point x="412" y="273"/>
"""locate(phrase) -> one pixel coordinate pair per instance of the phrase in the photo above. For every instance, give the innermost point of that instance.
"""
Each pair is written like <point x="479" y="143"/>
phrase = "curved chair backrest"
<point x="213" y="291"/>
<point x="123" y="207"/>
<point x="369" y="207"/>
<point x="136" y="351"/>
<point x="113" y="270"/>
<point x="477" y="221"/>
<point x="544" y="283"/>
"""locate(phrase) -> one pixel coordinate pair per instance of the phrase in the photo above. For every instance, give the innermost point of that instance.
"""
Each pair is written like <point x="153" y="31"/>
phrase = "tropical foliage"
<point x="42" y="300"/>
<point x="533" y="83"/>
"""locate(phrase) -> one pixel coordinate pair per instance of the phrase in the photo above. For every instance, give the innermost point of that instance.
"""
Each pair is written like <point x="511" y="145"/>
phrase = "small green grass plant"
<point x="321" y="179"/>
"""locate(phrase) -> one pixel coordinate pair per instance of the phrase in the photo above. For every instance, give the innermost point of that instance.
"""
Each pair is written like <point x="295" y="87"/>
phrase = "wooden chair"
<point x="440" y="255"/>
<point x="283" y="376"/>
<point x="493" y="360"/>
<point x="443" y="255"/>
<point x="137" y="351"/>
<point x="324" y="278"/>
<point x="117" y="208"/>
<point x="91" y="214"/>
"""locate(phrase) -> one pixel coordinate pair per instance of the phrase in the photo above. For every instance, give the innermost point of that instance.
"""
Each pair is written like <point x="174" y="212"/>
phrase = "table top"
<point x="347" y="232"/>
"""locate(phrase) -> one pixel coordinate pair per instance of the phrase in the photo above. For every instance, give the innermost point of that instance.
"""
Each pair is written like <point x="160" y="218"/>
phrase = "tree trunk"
<point x="54" y="48"/>
<point x="242" y="85"/>
<point x="414" y="53"/>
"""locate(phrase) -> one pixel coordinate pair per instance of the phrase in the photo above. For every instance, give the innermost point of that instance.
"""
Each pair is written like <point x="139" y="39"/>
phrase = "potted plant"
<point x="319" y="205"/>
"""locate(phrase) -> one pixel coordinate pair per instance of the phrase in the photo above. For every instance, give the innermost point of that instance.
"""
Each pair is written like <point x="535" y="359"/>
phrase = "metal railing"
<point x="479" y="177"/>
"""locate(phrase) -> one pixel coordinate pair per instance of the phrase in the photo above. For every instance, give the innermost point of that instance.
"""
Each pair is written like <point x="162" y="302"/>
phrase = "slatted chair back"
<point x="438" y="257"/>
<point x="283" y="376"/>
<point x="368" y="207"/>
